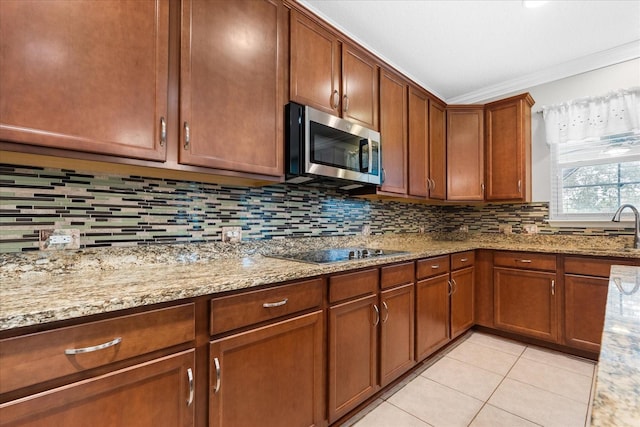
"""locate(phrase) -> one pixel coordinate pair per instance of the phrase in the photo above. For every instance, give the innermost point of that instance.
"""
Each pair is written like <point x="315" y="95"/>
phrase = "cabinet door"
<point x="85" y="76"/>
<point x="525" y="302"/>
<point x="462" y="301"/>
<point x="418" y="142"/>
<point x="432" y="315"/>
<point x="508" y="149"/>
<point x="155" y="393"/>
<point x="359" y="87"/>
<point x="270" y="376"/>
<point x="585" y="302"/>
<point x="393" y="131"/>
<point x="396" y="334"/>
<point x="352" y="354"/>
<point x="314" y="65"/>
<point x="465" y="154"/>
<point x="437" y="151"/>
<point x="232" y="85"/>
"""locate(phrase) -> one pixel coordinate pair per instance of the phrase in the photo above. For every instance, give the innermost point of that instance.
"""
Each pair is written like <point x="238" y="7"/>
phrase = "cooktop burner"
<point x="324" y="256"/>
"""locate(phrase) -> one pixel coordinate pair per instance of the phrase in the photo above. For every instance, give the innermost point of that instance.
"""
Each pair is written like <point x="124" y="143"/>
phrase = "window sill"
<point x="609" y="225"/>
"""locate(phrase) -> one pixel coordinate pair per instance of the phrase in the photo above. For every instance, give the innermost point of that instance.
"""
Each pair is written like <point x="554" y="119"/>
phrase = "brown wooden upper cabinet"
<point x="331" y="75"/>
<point x="90" y="76"/>
<point x="393" y="131"/>
<point x="437" y="175"/>
<point x="418" y="142"/>
<point x="465" y="153"/>
<point x="508" y="148"/>
<point x="231" y="87"/>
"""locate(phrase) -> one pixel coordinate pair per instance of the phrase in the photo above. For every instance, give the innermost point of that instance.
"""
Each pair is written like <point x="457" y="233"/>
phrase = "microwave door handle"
<point x="361" y="166"/>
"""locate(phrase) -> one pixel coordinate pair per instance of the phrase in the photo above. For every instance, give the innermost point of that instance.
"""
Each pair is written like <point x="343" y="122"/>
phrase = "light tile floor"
<point x="488" y="381"/>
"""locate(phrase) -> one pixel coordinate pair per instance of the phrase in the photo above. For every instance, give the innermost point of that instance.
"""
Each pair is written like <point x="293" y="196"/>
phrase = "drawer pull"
<point x="216" y="363"/>
<point x="526" y="261"/>
<point x="190" y="377"/>
<point x="72" y="351"/>
<point x="275" y="304"/>
<point x="435" y="266"/>
<point x="553" y="287"/>
<point x="464" y="259"/>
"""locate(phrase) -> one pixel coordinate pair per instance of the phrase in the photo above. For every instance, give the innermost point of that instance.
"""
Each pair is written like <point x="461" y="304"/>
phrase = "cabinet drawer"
<point x="432" y="267"/>
<point x="236" y="311"/>
<point x="462" y="260"/>
<point x="34" y="358"/>
<point x="351" y="285"/>
<point x="528" y="260"/>
<point x="395" y="275"/>
<point x="590" y="266"/>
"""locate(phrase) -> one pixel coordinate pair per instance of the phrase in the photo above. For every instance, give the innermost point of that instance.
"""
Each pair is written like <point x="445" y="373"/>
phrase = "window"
<point x="595" y="164"/>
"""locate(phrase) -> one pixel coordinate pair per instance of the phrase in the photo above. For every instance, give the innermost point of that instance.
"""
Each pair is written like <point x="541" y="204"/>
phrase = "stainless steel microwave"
<point x="325" y="148"/>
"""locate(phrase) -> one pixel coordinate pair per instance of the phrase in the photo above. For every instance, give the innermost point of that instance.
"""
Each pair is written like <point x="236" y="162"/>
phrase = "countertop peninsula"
<point x="42" y="287"/>
<point x="617" y="389"/>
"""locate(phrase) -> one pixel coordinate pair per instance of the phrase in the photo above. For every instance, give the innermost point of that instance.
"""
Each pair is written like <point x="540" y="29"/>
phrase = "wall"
<point x="133" y="210"/>
<point x="593" y="83"/>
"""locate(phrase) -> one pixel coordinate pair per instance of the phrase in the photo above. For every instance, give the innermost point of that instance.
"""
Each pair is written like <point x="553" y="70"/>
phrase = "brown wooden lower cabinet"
<point x="396" y="333"/>
<point x="585" y="302"/>
<point x="353" y="354"/>
<point x="269" y="376"/>
<point x="151" y="394"/>
<point x="432" y="315"/>
<point x="525" y="302"/>
<point x="462" y="301"/>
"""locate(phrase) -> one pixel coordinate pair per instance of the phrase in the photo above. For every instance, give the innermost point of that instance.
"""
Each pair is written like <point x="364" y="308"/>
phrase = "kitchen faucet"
<point x="616" y="218"/>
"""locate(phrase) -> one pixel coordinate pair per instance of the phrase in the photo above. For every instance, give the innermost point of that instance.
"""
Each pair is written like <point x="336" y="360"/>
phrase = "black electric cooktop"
<point x="325" y="256"/>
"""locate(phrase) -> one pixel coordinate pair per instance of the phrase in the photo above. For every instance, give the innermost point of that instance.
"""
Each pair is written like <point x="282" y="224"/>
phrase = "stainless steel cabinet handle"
<point x="526" y="261"/>
<point x="375" y="307"/>
<point x="464" y="259"/>
<point x="386" y="308"/>
<point x="345" y="106"/>
<point x="216" y="364"/>
<point x="336" y="99"/>
<point x="163" y="131"/>
<point x="435" y="266"/>
<point x="450" y="291"/>
<point x="93" y="348"/>
<point x="190" y="377"/>
<point x="519" y="186"/>
<point x="482" y="187"/>
<point x="384" y="176"/>
<point x="455" y="286"/>
<point x="553" y="287"/>
<point x="187" y="135"/>
<point x="275" y="304"/>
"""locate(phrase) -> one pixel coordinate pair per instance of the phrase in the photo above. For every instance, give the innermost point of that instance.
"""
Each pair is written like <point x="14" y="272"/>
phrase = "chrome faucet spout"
<point x="616" y="218"/>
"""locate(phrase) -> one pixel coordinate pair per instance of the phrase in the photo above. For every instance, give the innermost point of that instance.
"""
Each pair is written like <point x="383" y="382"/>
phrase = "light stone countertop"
<point x="617" y="390"/>
<point x="42" y="287"/>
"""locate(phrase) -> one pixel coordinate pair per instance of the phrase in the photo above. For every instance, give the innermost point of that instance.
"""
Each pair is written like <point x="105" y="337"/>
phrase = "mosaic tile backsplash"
<point x="132" y="210"/>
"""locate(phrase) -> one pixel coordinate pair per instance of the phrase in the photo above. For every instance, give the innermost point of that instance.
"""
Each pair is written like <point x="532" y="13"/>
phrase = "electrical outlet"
<point x="530" y="229"/>
<point x="366" y="230"/>
<point x="505" y="228"/>
<point x="231" y="234"/>
<point x="464" y="229"/>
<point x="58" y="239"/>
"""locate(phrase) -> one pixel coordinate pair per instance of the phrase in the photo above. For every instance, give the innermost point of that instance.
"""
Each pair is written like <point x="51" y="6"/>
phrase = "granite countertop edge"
<point x="57" y="294"/>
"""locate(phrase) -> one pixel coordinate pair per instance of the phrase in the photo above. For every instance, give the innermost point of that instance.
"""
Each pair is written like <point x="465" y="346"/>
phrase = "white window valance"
<point x="593" y="117"/>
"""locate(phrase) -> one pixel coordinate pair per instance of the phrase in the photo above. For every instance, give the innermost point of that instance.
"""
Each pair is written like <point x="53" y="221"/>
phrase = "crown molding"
<point x="616" y="55"/>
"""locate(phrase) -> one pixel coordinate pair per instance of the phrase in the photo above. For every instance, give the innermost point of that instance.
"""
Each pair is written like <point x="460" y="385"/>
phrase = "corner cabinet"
<point x="232" y="85"/>
<point x="465" y="153"/>
<point x="331" y="75"/>
<point x="87" y="77"/>
<point x="526" y="294"/>
<point x="508" y="149"/>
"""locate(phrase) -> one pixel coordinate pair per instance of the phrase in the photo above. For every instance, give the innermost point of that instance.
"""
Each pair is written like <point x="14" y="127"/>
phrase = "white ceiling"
<point x="472" y="51"/>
